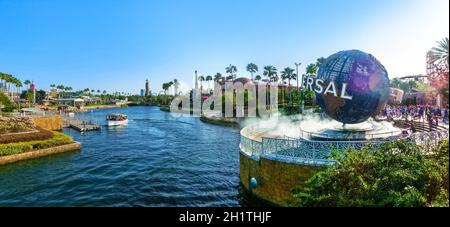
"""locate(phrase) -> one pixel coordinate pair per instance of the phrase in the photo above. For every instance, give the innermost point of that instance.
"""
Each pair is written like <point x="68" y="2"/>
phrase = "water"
<point x="157" y="160"/>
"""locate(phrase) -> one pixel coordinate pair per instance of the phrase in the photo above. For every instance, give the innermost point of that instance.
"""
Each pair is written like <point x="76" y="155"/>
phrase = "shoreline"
<point x="102" y="107"/>
<point x="8" y="159"/>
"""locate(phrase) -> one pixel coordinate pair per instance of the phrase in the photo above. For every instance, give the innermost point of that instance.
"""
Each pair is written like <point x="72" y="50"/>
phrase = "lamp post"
<point x="298" y="77"/>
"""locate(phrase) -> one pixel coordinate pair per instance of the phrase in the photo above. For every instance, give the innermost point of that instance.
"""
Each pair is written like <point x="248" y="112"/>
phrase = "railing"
<point x="306" y="134"/>
<point x="308" y="149"/>
<point x="320" y="150"/>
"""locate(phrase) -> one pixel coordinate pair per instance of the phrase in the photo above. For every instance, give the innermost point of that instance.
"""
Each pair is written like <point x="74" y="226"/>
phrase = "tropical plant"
<point x="201" y="79"/>
<point x="270" y="73"/>
<point x="208" y="80"/>
<point x="218" y="77"/>
<point x="288" y="74"/>
<point x="311" y="69"/>
<point x="320" y="61"/>
<point x="27" y="82"/>
<point x="440" y="52"/>
<point x="397" y="174"/>
<point x="232" y="70"/>
<point x="252" y="68"/>
<point x="258" y="78"/>
<point x="5" y="103"/>
<point x="176" y="84"/>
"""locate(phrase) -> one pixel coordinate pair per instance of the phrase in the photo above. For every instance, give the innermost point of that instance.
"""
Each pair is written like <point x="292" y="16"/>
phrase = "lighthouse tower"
<point x="147" y="88"/>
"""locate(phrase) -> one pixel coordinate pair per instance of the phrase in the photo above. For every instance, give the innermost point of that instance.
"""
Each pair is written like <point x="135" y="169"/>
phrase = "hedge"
<point x="40" y="134"/>
<point x="16" y="148"/>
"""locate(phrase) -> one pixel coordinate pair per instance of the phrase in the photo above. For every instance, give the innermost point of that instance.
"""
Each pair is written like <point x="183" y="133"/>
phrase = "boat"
<point x="117" y="119"/>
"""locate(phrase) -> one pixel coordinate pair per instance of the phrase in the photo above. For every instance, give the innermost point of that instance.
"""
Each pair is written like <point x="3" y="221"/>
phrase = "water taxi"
<point x="117" y="119"/>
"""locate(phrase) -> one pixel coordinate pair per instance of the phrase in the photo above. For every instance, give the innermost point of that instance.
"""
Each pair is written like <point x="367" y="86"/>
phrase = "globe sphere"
<point x="366" y="82"/>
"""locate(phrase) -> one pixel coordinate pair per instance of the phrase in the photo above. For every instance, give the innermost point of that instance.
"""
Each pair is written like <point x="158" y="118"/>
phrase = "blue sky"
<point x="115" y="45"/>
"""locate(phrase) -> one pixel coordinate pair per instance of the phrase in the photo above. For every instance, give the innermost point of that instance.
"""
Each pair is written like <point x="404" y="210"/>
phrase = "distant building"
<point x="142" y="92"/>
<point x="147" y="88"/>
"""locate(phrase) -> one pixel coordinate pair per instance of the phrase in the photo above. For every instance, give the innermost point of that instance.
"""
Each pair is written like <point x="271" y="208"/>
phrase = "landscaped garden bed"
<point x="57" y="139"/>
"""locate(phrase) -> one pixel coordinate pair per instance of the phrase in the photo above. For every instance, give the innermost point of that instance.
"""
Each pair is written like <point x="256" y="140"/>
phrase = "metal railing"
<point x="320" y="150"/>
<point x="327" y="136"/>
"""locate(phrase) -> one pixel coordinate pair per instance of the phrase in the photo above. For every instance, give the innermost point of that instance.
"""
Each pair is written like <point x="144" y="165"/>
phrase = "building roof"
<point x="70" y="100"/>
<point x="243" y="80"/>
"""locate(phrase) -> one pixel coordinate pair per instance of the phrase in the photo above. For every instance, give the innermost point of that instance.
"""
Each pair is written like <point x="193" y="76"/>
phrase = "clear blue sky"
<point x="115" y="45"/>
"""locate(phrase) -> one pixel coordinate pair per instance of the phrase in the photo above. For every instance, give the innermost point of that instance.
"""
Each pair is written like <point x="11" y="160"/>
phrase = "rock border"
<point x="75" y="146"/>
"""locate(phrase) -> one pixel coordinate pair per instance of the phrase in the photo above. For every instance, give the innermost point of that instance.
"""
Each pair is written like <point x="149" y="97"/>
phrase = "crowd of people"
<point x="423" y="113"/>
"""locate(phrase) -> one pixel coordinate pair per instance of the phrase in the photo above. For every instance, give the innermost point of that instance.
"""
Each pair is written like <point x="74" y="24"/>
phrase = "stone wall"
<point x="276" y="180"/>
<point x="39" y="153"/>
<point x="53" y="123"/>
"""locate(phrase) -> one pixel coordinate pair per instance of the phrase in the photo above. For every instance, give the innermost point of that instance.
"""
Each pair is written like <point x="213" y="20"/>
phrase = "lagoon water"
<point x="157" y="160"/>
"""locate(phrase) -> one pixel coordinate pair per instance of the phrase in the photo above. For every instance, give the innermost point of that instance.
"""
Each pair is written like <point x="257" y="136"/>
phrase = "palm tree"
<point x="440" y="52"/>
<point x="201" y="79"/>
<point x="288" y="74"/>
<point x="61" y="88"/>
<point x="320" y="61"/>
<point x="27" y="82"/>
<point x="68" y="89"/>
<point x="176" y="84"/>
<point x="217" y="77"/>
<point x="270" y="72"/>
<point x="252" y="68"/>
<point x="170" y="84"/>
<point x="208" y="80"/>
<point x="311" y="69"/>
<point x="232" y="70"/>
<point x="258" y="78"/>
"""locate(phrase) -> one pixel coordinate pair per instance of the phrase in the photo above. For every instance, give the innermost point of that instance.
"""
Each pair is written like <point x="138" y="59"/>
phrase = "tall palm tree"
<point x="60" y="88"/>
<point x="270" y="72"/>
<point x="170" y="84"/>
<point x="440" y="52"/>
<point x="27" y="82"/>
<point x="217" y="77"/>
<point x="68" y="89"/>
<point x="311" y="69"/>
<point x="288" y="74"/>
<point x="320" y="61"/>
<point x="232" y="70"/>
<point x="208" y="79"/>
<point x="176" y="84"/>
<point x="252" y="68"/>
<point x="201" y="79"/>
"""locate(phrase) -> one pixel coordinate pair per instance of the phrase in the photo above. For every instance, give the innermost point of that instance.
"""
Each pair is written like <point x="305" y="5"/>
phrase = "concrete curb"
<point x="39" y="153"/>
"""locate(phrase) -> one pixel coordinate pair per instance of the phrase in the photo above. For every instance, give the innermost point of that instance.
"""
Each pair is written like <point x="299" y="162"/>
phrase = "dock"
<point x="81" y="125"/>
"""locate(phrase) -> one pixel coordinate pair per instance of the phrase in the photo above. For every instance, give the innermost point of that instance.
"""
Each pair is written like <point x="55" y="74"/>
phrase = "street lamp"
<point x="298" y="77"/>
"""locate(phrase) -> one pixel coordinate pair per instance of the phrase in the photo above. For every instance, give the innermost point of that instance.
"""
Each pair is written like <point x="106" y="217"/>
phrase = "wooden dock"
<point x="81" y="125"/>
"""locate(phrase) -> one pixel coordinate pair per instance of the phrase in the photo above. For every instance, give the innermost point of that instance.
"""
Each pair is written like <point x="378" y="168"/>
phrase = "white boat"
<point x="117" y="119"/>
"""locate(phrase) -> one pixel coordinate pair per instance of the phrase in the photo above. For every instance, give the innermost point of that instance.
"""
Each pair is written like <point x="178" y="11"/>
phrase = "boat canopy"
<point x="117" y="117"/>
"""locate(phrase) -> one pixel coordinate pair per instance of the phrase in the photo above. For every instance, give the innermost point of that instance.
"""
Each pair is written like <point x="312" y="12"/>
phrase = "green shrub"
<point x="398" y="174"/>
<point x="16" y="148"/>
<point x="6" y="103"/>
